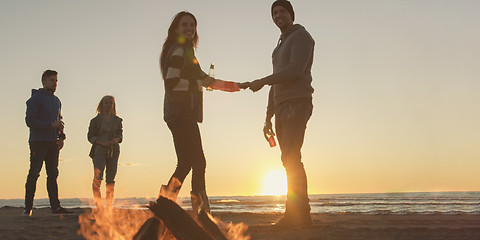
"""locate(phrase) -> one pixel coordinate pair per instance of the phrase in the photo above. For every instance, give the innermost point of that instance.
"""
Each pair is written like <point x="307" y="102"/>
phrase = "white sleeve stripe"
<point x="178" y="52"/>
<point x="182" y="85"/>
<point x="172" y="73"/>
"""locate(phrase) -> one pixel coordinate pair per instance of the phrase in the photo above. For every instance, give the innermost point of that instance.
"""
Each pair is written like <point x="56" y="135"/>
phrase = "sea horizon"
<point x="445" y="202"/>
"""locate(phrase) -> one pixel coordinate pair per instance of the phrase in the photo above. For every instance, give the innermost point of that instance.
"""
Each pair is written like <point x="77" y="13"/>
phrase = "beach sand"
<point x="44" y="225"/>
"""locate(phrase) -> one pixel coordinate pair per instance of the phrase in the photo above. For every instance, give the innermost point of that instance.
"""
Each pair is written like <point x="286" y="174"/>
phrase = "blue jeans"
<point x="188" y="146"/>
<point x="102" y="162"/>
<point x="291" y="119"/>
<point x="40" y="152"/>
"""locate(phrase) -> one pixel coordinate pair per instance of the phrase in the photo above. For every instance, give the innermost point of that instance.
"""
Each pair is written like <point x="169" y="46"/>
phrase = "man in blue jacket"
<point x="290" y="100"/>
<point x="44" y="119"/>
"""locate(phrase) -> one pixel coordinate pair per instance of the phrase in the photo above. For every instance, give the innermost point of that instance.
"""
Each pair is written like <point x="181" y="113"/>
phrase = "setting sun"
<point x="275" y="183"/>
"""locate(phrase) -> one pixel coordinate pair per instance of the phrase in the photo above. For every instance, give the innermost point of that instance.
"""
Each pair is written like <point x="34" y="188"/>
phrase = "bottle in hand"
<point x="270" y="136"/>
<point x="211" y="73"/>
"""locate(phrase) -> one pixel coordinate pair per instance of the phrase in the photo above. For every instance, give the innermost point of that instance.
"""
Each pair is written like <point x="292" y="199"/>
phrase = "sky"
<point x="395" y="102"/>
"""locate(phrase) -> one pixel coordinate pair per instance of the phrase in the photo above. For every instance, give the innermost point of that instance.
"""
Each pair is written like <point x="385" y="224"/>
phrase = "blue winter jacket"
<point x="43" y="108"/>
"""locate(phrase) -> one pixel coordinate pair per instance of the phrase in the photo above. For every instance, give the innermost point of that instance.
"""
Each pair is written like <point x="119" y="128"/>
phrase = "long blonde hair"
<point x="100" y="105"/>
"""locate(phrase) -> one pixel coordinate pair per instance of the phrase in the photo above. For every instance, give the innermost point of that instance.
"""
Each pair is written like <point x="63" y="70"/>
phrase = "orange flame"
<point x="122" y="224"/>
<point x="230" y="230"/>
<point x="116" y="224"/>
<point x="236" y="231"/>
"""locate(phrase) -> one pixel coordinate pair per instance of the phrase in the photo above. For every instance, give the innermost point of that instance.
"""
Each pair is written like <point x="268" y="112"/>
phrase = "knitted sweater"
<point x="183" y="84"/>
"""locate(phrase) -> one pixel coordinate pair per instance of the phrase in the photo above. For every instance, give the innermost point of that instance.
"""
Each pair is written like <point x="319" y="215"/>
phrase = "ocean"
<point x="368" y="203"/>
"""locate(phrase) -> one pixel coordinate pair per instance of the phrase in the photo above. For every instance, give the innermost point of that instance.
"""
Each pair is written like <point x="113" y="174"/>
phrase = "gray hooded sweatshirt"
<point x="292" y="63"/>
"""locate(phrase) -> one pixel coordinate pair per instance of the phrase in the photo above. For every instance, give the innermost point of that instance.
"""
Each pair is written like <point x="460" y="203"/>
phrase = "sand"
<point x="44" y="225"/>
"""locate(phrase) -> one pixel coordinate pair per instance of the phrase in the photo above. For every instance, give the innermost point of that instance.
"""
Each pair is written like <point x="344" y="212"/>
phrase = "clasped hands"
<point x="254" y="86"/>
<point x="229" y="86"/>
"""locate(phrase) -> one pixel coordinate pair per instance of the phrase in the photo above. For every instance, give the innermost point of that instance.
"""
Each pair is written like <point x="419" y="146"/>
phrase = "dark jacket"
<point x="183" y="85"/>
<point x="94" y="132"/>
<point x="43" y="108"/>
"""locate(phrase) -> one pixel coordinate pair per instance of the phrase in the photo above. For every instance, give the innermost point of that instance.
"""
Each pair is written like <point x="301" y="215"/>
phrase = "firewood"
<point x="149" y="230"/>
<point x="210" y="226"/>
<point x="178" y="221"/>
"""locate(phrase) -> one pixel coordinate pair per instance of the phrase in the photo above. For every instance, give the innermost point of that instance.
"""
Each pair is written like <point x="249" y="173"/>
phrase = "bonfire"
<point x="166" y="220"/>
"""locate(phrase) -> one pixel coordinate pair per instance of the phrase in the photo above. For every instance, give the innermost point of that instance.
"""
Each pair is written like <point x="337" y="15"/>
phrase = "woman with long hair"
<point x="183" y="105"/>
<point x="105" y="133"/>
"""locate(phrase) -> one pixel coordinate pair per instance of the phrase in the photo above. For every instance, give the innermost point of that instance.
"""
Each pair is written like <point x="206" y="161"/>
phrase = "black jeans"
<point x="40" y="152"/>
<point x="291" y="119"/>
<point x="188" y="146"/>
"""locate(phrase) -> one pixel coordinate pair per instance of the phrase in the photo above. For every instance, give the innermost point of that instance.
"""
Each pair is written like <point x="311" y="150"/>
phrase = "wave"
<point x="341" y="204"/>
<point x="395" y="203"/>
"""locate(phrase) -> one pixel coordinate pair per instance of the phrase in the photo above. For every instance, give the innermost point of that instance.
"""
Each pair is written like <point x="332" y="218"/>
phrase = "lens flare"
<point x="181" y="39"/>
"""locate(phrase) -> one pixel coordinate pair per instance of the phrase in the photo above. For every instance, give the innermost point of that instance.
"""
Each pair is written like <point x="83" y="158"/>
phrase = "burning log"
<point x="179" y="223"/>
<point x="177" y="220"/>
<point x="149" y="230"/>
<point x="210" y="226"/>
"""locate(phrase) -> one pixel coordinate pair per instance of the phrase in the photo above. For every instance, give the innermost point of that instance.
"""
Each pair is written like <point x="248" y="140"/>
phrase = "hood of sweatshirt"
<point x="35" y="91"/>
<point x="293" y="29"/>
<point x="40" y="90"/>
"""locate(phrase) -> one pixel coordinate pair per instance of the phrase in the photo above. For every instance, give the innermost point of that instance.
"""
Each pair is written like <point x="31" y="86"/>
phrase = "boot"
<point x="97" y="196"/>
<point x="288" y="219"/>
<point x="196" y="202"/>
<point x="205" y="202"/>
<point x="295" y="216"/>
<point x="305" y="219"/>
<point x="200" y="202"/>
<point x="303" y="210"/>
<point x="171" y="190"/>
<point x="109" y="195"/>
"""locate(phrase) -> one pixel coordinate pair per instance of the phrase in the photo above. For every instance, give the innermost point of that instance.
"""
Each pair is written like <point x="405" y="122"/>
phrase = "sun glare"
<point x="275" y="183"/>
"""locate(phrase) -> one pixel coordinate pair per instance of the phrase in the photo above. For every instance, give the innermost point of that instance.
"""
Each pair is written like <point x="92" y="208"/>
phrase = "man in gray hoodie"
<point x="290" y="100"/>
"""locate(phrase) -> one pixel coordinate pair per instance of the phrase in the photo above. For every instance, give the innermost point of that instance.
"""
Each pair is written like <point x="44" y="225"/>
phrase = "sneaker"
<point x="60" y="210"/>
<point x="27" y="212"/>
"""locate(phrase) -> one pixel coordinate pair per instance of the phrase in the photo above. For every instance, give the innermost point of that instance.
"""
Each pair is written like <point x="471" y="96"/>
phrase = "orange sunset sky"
<point x="395" y="104"/>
